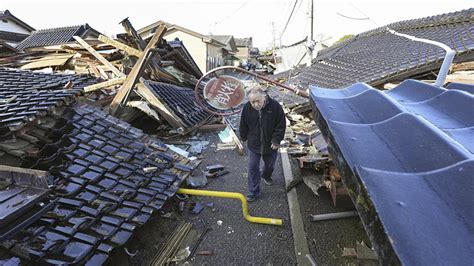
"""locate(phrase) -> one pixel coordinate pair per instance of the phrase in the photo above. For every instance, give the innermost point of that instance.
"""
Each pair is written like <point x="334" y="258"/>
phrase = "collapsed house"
<point x="76" y="181"/>
<point x="98" y="169"/>
<point x="405" y="155"/>
<point x="93" y="178"/>
<point x="379" y="56"/>
<point x="13" y="31"/>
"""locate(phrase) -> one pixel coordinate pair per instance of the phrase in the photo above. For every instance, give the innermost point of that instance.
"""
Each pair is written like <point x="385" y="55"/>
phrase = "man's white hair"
<point x="257" y="92"/>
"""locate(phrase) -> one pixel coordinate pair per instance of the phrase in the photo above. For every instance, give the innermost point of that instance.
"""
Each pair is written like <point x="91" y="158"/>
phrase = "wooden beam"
<point x="94" y="69"/>
<point x="105" y="84"/>
<point x="143" y="106"/>
<point x="5" y="168"/>
<point x="120" y="46"/>
<point x="154" y="101"/>
<point x="132" y="32"/>
<point x="48" y="61"/>
<point x="99" y="57"/>
<point x="134" y="75"/>
<point x="235" y="138"/>
<point x="154" y="64"/>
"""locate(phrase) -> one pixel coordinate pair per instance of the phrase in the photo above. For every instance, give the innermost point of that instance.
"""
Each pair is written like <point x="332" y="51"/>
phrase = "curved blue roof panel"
<point x="407" y="158"/>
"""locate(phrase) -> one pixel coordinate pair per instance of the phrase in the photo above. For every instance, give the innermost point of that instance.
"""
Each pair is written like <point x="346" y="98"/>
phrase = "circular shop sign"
<point x="224" y="92"/>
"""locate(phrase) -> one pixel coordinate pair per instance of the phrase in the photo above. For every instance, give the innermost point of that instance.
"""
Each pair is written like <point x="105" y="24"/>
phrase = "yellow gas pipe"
<point x="232" y="195"/>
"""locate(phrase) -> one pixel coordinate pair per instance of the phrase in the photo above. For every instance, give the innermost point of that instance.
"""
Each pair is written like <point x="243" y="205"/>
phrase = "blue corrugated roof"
<point x="407" y="157"/>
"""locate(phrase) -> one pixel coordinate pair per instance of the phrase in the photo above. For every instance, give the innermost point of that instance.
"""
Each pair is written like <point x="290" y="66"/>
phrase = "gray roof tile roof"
<point x="103" y="194"/>
<point x="378" y="56"/>
<point x="56" y="36"/>
<point x="26" y="96"/>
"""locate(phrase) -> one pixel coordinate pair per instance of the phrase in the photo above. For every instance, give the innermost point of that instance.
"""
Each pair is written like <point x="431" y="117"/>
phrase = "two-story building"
<point x="12" y="31"/>
<point x="207" y="51"/>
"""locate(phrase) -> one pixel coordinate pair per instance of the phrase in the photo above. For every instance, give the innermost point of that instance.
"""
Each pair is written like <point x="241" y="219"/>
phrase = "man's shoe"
<point x="268" y="181"/>
<point x="252" y="197"/>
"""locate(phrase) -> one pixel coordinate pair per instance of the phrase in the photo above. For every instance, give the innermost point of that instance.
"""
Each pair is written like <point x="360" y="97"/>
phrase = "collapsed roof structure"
<point x="94" y="178"/>
<point x="406" y="154"/>
<point x="378" y="56"/>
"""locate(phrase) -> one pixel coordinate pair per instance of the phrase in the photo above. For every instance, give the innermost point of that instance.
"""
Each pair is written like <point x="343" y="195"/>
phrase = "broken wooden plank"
<point x="151" y="98"/>
<point x="120" y="46"/>
<point x="143" y="106"/>
<point x="99" y="57"/>
<point x="462" y="66"/>
<point x="235" y="139"/>
<point x="48" y="61"/>
<point x="157" y="72"/>
<point x="137" y="69"/>
<point x="211" y="127"/>
<point x="5" y="168"/>
<point x="94" y="69"/>
<point x="105" y="84"/>
<point x="466" y="77"/>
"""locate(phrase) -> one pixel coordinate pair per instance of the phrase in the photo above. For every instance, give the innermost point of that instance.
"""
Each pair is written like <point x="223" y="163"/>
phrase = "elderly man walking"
<point x="262" y="125"/>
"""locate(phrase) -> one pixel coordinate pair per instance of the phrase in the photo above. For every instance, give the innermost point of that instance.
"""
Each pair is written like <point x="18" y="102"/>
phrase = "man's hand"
<point x="275" y="146"/>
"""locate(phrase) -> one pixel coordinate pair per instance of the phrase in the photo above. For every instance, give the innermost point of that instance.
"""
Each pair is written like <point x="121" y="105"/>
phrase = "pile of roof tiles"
<point x="103" y="193"/>
<point x="407" y="157"/>
<point x="58" y="50"/>
<point x="25" y="96"/>
<point x="181" y="102"/>
<point x="378" y="56"/>
<point x="99" y="166"/>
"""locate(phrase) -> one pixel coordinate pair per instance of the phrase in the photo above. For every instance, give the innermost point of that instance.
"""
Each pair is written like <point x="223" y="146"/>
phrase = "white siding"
<point x="11" y="26"/>
<point x="195" y="46"/>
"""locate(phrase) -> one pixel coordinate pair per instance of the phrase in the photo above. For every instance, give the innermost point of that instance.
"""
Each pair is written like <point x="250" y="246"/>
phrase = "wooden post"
<point x="105" y="84"/>
<point x="120" y="46"/>
<point x="98" y="56"/>
<point x="154" y="64"/>
<point x="235" y="138"/>
<point x="132" y="78"/>
<point x="151" y="98"/>
<point x="131" y="31"/>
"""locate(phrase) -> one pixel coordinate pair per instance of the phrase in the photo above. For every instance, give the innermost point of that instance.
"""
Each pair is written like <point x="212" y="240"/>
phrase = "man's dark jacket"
<point x="262" y="128"/>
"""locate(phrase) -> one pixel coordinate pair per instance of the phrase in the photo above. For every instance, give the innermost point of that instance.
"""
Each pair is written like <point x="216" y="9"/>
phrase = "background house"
<point x="207" y="51"/>
<point x="12" y="31"/>
<point x="244" y="46"/>
<point x="58" y="36"/>
<point x="230" y="49"/>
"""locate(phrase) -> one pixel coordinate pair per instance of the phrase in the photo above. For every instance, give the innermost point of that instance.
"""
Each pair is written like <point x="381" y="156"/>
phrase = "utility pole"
<point x="310" y="42"/>
<point x="273" y="34"/>
<point x="311" y="14"/>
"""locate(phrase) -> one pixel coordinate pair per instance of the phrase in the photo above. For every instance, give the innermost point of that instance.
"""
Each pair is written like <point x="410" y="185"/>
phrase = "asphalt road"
<point x="236" y="241"/>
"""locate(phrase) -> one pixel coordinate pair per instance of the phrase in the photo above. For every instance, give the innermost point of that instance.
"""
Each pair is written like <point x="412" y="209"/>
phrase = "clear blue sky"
<point x="240" y="18"/>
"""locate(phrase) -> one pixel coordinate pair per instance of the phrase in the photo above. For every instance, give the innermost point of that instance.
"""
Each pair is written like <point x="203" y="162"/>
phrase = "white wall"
<point x="289" y="57"/>
<point x="214" y="57"/>
<point x="195" y="46"/>
<point x="11" y="26"/>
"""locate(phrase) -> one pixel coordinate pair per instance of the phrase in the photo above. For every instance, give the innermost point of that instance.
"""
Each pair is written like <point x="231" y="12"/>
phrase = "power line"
<point x="360" y="11"/>
<point x="233" y="13"/>
<point x="289" y="18"/>
<point x="344" y="16"/>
